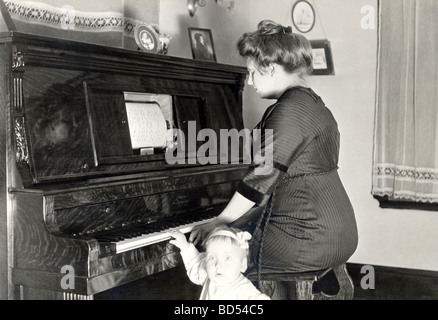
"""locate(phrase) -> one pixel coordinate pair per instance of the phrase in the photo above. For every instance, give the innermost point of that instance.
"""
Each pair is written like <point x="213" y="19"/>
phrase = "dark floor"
<point x="390" y="284"/>
<point x="172" y="284"/>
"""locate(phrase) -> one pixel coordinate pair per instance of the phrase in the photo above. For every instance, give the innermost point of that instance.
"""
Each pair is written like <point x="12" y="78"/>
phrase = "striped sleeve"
<point x="284" y="134"/>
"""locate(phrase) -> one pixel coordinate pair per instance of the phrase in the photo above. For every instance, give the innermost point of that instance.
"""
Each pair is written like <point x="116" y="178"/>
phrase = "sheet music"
<point x="147" y="125"/>
<point x="163" y="100"/>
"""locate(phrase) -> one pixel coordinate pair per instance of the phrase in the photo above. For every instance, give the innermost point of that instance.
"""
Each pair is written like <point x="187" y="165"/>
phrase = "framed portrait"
<point x="322" y="58"/>
<point x="202" y="44"/>
<point x="303" y="16"/>
<point x="147" y="38"/>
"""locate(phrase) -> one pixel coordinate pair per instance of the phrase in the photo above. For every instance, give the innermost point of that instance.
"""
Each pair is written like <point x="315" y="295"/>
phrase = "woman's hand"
<point x="199" y="233"/>
<point x="236" y="208"/>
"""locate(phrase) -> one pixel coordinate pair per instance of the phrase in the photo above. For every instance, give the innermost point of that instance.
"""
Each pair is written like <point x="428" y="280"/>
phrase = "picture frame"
<point x="201" y="42"/>
<point x="322" y="57"/>
<point x="147" y="38"/>
<point x="303" y="16"/>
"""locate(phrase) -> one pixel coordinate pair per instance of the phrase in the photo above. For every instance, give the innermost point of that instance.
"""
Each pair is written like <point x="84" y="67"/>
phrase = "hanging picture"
<point x="303" y="16"/>
<point x="322" y="58"/>
<point x="202" y="45"/>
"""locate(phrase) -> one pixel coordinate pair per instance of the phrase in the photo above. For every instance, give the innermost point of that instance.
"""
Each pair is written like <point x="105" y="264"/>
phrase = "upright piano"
<point x="87" y="208"/>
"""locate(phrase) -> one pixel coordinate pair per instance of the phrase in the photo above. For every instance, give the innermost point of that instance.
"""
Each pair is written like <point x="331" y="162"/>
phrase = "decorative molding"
<point x="18" y="94"/>
<point x="18" y="65"/>
<point x="18" y="61"/>
<point x="75" y="296"/>
<point x="22" y="151"/>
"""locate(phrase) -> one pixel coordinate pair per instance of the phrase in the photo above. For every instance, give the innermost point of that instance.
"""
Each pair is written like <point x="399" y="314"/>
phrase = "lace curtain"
<point x="108" y="22"/>
<point x="405" y="164"/>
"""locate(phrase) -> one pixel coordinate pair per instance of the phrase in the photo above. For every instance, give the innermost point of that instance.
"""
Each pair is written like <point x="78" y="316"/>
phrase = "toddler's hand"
<point x="179" y="240"/>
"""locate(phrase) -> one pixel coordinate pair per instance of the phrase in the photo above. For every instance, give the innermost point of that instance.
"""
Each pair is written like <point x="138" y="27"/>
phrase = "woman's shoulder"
<point x="303" y="101"/>
<point x="300" y="95"/>
<point x="296" y="102"/>
<point x="300" y="108"/>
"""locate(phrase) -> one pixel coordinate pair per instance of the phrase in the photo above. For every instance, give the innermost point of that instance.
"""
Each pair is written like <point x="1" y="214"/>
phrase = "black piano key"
<point x="113" y="237"/>
<point x="174" y="225"/>
<point x="162" y="226"/>
<point x="106" y="239"/>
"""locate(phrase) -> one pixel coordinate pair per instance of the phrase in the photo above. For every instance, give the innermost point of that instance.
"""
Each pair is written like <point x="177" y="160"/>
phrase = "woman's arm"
<point x="236" y="208"/>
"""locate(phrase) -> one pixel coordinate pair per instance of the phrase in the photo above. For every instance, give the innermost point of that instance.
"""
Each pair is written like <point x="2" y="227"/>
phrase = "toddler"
<point x="219" y="269"/>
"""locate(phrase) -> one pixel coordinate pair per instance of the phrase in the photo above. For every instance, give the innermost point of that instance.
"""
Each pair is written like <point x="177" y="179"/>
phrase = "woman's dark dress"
<point x="311" y="223"/>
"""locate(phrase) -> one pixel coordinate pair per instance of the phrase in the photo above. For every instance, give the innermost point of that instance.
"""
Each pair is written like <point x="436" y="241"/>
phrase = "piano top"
<point x="69" y="110"/>
<point x="139" y="57"/>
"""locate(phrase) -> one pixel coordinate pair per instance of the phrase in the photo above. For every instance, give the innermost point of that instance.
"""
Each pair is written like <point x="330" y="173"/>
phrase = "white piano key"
<point x="151" y="238"/>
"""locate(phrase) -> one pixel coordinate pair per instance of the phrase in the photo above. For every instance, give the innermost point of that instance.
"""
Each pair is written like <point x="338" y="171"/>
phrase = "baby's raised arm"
<point x="179" y="240"/>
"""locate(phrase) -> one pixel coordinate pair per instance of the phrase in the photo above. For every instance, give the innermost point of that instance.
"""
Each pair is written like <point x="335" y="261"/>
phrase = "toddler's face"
<point x="224" y="263"/>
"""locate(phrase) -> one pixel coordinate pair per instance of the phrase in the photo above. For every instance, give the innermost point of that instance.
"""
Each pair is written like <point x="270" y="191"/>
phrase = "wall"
<point x="388" y="237"/>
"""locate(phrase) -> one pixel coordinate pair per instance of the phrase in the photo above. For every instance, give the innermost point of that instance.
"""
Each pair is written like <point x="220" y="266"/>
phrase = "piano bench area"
<point x="328" y="284"/>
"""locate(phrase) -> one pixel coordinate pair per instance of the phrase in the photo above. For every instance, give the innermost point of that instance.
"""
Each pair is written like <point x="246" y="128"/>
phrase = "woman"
<point x="308" y="222"/>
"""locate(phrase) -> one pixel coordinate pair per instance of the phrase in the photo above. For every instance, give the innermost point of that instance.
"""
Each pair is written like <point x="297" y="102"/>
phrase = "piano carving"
<point x="85" y="212"/>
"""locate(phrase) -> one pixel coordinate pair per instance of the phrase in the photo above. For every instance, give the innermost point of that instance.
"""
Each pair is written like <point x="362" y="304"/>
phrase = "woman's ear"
<point x="271" y="69"/>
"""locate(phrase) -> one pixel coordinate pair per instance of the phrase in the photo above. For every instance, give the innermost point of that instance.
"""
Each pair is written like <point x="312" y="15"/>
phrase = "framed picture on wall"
<point x="202" y="44"/>
<point x="303" y="16"/>
<point x="322" y="58"/>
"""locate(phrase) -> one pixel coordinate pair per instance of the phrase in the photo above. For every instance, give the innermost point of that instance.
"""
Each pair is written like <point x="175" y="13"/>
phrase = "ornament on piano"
<point x="149" y="38"/>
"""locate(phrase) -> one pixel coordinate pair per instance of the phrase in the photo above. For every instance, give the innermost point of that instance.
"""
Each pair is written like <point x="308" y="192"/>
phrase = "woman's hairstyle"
<point x="229" y="236"/>
<point x="274" y="43"/>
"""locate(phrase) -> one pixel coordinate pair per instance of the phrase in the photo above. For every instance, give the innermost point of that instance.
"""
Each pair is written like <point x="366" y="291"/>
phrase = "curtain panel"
<point x="405" y="159"/>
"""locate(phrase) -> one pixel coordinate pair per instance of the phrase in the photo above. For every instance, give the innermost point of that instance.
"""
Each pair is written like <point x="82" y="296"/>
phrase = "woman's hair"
<point x="274" y="43"/>
<point x="219" y="234"/>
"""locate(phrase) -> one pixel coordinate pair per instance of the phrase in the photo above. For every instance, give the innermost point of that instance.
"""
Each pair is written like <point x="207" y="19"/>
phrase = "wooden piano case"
<point x="70" y="172"/>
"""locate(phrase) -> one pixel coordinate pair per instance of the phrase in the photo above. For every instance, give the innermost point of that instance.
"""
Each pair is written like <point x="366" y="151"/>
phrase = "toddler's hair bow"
<point x="242" y="237"/>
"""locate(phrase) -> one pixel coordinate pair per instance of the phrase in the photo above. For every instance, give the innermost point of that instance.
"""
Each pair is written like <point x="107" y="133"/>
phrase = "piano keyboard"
<point x="126" y="243"/>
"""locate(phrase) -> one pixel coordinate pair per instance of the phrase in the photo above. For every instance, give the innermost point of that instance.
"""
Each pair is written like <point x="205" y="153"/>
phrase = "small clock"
<point x="303" y="16"/>
<point x="147" y="38"/>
